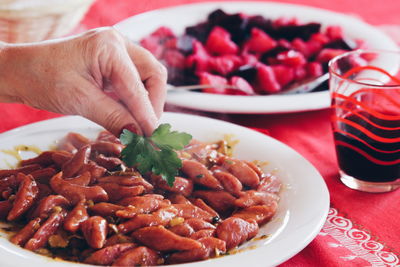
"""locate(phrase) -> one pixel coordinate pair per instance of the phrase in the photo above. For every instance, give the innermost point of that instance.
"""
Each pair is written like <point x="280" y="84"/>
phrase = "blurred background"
<point x="35" y="20"/>
<point x="372" y="11"/>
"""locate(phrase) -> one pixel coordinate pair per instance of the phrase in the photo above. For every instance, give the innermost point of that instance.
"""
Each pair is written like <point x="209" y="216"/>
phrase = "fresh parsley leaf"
<point x="127" y="137"/>
<point x="164" y="138"/>
<point x="155" y="153"/>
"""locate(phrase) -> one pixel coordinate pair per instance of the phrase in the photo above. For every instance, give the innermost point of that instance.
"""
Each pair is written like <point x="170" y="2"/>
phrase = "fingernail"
<point x="131" y="127"/>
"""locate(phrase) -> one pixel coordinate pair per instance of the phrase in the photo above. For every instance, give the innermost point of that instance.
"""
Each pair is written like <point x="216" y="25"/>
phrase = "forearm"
<point x="6" y="72"/>
<point x="17" y="71"/>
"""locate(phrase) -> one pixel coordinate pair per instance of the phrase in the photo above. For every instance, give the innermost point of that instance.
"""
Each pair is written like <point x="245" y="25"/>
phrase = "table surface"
<point x="362" y="229"/>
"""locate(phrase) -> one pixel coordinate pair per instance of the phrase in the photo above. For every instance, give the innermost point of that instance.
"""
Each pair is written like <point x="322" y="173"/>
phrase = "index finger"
<point x="152" y="73"/>
<point x="128" y="86"/>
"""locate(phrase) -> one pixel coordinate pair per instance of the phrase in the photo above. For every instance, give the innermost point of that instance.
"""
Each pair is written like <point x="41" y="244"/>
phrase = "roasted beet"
<point x="227" y="47"/>
<point x="235" y="24"/>
<point x="247" y="72"/>
<point x="261" y="23"/>
<point x="290" y="32"/>
<point x="199" y="31"/>
<point x="271" y="54"/>
<point x="343" y="43"/>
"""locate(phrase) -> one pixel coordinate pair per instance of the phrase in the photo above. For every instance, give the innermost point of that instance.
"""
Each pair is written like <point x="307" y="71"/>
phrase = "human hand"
<point x="100" y="75"/>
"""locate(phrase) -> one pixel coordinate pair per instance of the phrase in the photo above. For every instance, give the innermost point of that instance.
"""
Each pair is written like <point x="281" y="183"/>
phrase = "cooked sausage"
<point x="44" y="191"/>
<point x="161" y="239"/>
<point x="180" y="186"/>
<point x="182" y="229"/>
<point x="9" y="182"/>
<point x="26" y="169"/>
<point x="76" y="217"/>
<point x="141" y="204"/>
<point x="82" y="179"/>
<point x="77" y="140"/>
<point x="94" y="230"/>
<point x="159" y="217"/>
<point x="25" y="197"/>
<point x="116" y="192"/>
<point x="199" y="224"/>
<point x="195" y="150"/>
<point x="5" y="207"/>
<point x="107" y="255"/>
<point x="107" y="148"/>
<point x="107" y="136"/>
<point x="261" y="214"/>
<point x="252" y="198"/>
<point x="178" y="199"/>
<point x="254" y="167"/>
<point x="234" y="231"/>
<point x="61" y="157"/>
<point x="127" y="219"/>
<point x="220" y="201"/>
<point x="95" y="170"/>
<point x="44" y="159"/>
<point x="188" y="211"/>
<point x="202" y="205"/>
<point x="140" y="256"/>
<point x="230" y="183"/>
<point x="74" y="193"/>
<point x="48" y="228"/>
<point x="75" y="164"/>
<point x="6" y="193"/>
<point x="118" y="239"/>
<point x="203" y="233"/>
<point x="110" y="163"/>
<point x="105" y="209"/>
<point x="199" y="174"/>
<point x="127" y="180"/>
<point x="132" y="200"/>
<point x="47" y="204"/>
<point x="209" y="247"/>
<point x="66" y="146"/>
<point x="269" y="183"/>
<point x="26" y="233"/>
<point x="43" y="175"/>
<point x="245" y="174"/>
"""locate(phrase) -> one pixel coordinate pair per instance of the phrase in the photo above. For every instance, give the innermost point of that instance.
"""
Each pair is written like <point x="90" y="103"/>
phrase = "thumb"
<point x="110" y="114"/>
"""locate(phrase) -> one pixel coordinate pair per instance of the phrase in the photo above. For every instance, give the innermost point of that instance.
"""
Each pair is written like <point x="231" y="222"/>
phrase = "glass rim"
<point x="360" y="51"/>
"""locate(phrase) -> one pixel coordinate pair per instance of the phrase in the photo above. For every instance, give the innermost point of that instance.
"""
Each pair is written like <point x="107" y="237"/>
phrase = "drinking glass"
<point x="365" y="94"/>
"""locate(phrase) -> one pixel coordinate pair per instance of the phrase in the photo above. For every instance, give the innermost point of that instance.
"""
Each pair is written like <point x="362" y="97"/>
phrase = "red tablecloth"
<point x="362" y="229"/>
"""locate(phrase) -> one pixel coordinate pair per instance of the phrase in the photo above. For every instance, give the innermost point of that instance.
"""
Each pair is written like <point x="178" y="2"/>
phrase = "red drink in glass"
<point x="366" y="119"/>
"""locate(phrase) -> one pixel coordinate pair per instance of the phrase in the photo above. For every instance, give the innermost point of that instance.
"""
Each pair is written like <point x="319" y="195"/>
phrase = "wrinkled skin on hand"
<point x="100" y="75"/>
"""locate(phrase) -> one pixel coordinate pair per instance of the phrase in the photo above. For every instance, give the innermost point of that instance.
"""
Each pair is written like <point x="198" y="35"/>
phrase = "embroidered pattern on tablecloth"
<point x="355" y="246"/>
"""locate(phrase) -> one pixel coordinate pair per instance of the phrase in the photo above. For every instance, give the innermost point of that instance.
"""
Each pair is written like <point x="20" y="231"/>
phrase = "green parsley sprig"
<point x="156" y="153"/>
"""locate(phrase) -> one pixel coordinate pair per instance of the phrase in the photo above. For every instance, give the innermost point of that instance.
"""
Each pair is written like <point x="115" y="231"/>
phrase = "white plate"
<point x="302" y="210"/>
<point x="177" y="18"/>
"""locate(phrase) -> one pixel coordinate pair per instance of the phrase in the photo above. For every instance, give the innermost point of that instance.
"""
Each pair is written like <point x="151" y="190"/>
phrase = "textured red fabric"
<point x="109" y="12"/>
<point x="15" y="115"/>
<point x="373" y="217"/>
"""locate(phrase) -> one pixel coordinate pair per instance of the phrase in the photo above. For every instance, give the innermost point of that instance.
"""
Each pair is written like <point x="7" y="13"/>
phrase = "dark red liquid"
<point x="377" y="158"/>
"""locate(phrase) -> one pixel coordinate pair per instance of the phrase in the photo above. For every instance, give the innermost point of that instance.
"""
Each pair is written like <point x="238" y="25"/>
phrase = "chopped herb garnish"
<point x="155" y="154"/>
<point x="199" y="176"/>
<point x="230" y="162"/>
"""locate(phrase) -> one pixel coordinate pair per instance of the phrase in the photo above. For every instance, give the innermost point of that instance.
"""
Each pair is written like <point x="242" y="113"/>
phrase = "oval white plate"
<point x="177" y="18"/>
<point x="302" y="210"/>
